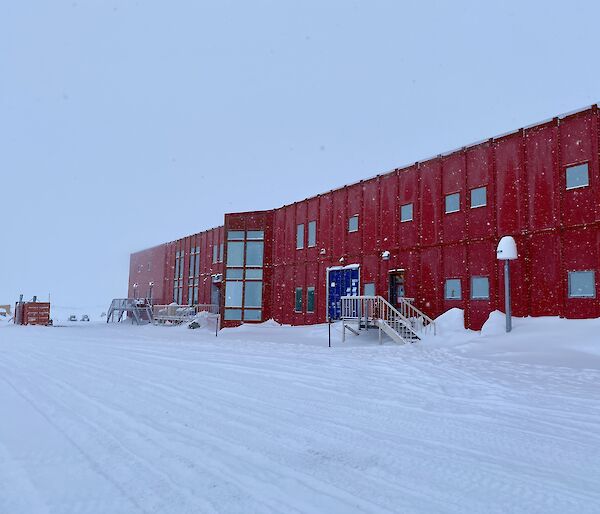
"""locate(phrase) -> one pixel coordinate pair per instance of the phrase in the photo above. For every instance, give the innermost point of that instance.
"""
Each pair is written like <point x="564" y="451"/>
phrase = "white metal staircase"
<point x="139" y="309"/>
<point x="403" y="324"/>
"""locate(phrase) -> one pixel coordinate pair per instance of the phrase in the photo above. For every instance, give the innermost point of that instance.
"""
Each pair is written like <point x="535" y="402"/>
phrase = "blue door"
<point x="342" y="282"/>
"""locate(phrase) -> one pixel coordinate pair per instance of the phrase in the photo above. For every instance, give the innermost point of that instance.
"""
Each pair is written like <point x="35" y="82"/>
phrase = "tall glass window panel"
<point x="478" y="197"/>
<point x="221" y="252"/>
<point x="298" y="300"/>
<point x="452" y="289"/>
<point x="310" y="299"/>
<point x="233" y="294"/>
<point x="300" y="236"/>
<point x="577" y="176"/>
<point x="215" y="253"/>
<point x="406" y="212"/>
<point x="353" y="223"/>
<point x="582" y="284"/>
<point x="312" y="233"/>
<point x="253" y="294"/>
<point x="452" y="203"/>
<point x="480" y="288"/>
<point x="254" y="253"/>
<point x="235" y="254"/>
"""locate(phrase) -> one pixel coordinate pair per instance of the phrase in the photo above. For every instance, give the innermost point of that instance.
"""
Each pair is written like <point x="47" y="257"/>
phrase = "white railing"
<point x="181" y="313"/>
<point x="366" y="310"/>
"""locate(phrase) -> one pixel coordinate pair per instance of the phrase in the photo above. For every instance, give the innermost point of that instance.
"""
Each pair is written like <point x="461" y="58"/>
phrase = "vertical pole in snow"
<point x="329" y="330"/>
<point x="507" y="295"/>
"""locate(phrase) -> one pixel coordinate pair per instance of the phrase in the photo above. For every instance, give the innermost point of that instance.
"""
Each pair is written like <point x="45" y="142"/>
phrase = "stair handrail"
<point x="377" y="307"/>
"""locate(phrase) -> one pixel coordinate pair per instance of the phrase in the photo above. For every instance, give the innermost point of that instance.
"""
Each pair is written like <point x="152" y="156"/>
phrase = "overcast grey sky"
<point x="124" y="124"/>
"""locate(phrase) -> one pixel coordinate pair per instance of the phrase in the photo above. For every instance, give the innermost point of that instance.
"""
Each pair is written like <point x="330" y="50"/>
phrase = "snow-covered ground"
<point x="99" y="418"/>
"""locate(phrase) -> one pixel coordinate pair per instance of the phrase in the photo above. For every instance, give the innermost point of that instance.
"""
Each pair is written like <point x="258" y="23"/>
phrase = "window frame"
<point x="296" y="290"/>
<point x="350" y="218"/>
<point x="484" y="298"/>
<point x="575" y="297"/>
<point x="310" y="290"/>
<point x="453" y="298"/>
<point x="300" y="236"/>
<point x="576" y="165"/>
<point x="471" y="197"/>
<point x="446" y="211"/>
<point x="312" y="242"/>
<point x="412" y="212"/>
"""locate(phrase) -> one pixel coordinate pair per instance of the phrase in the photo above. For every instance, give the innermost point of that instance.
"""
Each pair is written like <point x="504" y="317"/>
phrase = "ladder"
<point x="138" y="309"/>
<point x="403" y="324"/>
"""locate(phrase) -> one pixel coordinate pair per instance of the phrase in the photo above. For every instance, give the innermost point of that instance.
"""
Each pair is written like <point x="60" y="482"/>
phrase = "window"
<point x="577" y="176"/>
<point x="369" y="289"/>
<point x="478" y="197"/>
<point x="233" y="235"/>
<point x="254" y="253"/>
<point x="312" y="234"/>
<point x="353" y="223"/>
<point x="221" y="252"/>
<point x="480" y="288"/>
<point x="253" y="294"/>
<point x="582" y="284"/>
<point x="406" y="212"/>
<point x="310" y="299"/>
<point x="235" y="254"/>
<point x="243" y="276"/>
<point x="300" y="236"/>
<point x="233" y="294"/>
<point x="252" y="314"/>
<point x="452" y="203"/>
<point x="215" y="253"/>
<point x="452" y="290"/>
<point x="233" y="314"/>
<point x="298" y="300"/>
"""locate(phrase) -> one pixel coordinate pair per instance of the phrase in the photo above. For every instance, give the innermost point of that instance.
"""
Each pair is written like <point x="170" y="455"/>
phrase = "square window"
<point x="300" y="236"/>
<point x="233" y="314"/>
<point x="310" y="299"/>
<point x="480" y="288"/>
<point x="406" y="212"/>
<point x="478" y="197"/>
<point x="235" y="254"/>
<point x="253" y="294"/>
<point x="233" y="294"/>
<point x="452" y="203"/>
<point x="577" y="176"/>
<point x="353" y="223"/>
<point x="252" y="315"/>
<point x="312" y="233"/>
<point x="452" y="289"/>
<point x="369" y="289"/>
<point x="298" y="300"/>
<point x="582" y="284"/>
<point x="254" y="253"/>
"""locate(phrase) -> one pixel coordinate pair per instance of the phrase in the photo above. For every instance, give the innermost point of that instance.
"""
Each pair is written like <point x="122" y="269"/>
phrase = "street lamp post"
<point x="507" y="251"/>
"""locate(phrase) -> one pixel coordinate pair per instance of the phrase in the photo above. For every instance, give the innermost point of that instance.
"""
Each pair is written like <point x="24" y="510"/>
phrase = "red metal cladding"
<point x="33" y="313"/>
<point x="511" y="185"/>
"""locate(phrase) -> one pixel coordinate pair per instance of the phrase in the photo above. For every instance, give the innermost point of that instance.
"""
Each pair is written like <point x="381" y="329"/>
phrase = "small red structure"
<point x="32" y="313"/>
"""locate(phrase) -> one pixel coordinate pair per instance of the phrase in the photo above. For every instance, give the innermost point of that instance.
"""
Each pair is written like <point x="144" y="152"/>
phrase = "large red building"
<point x="427" y="231"/>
